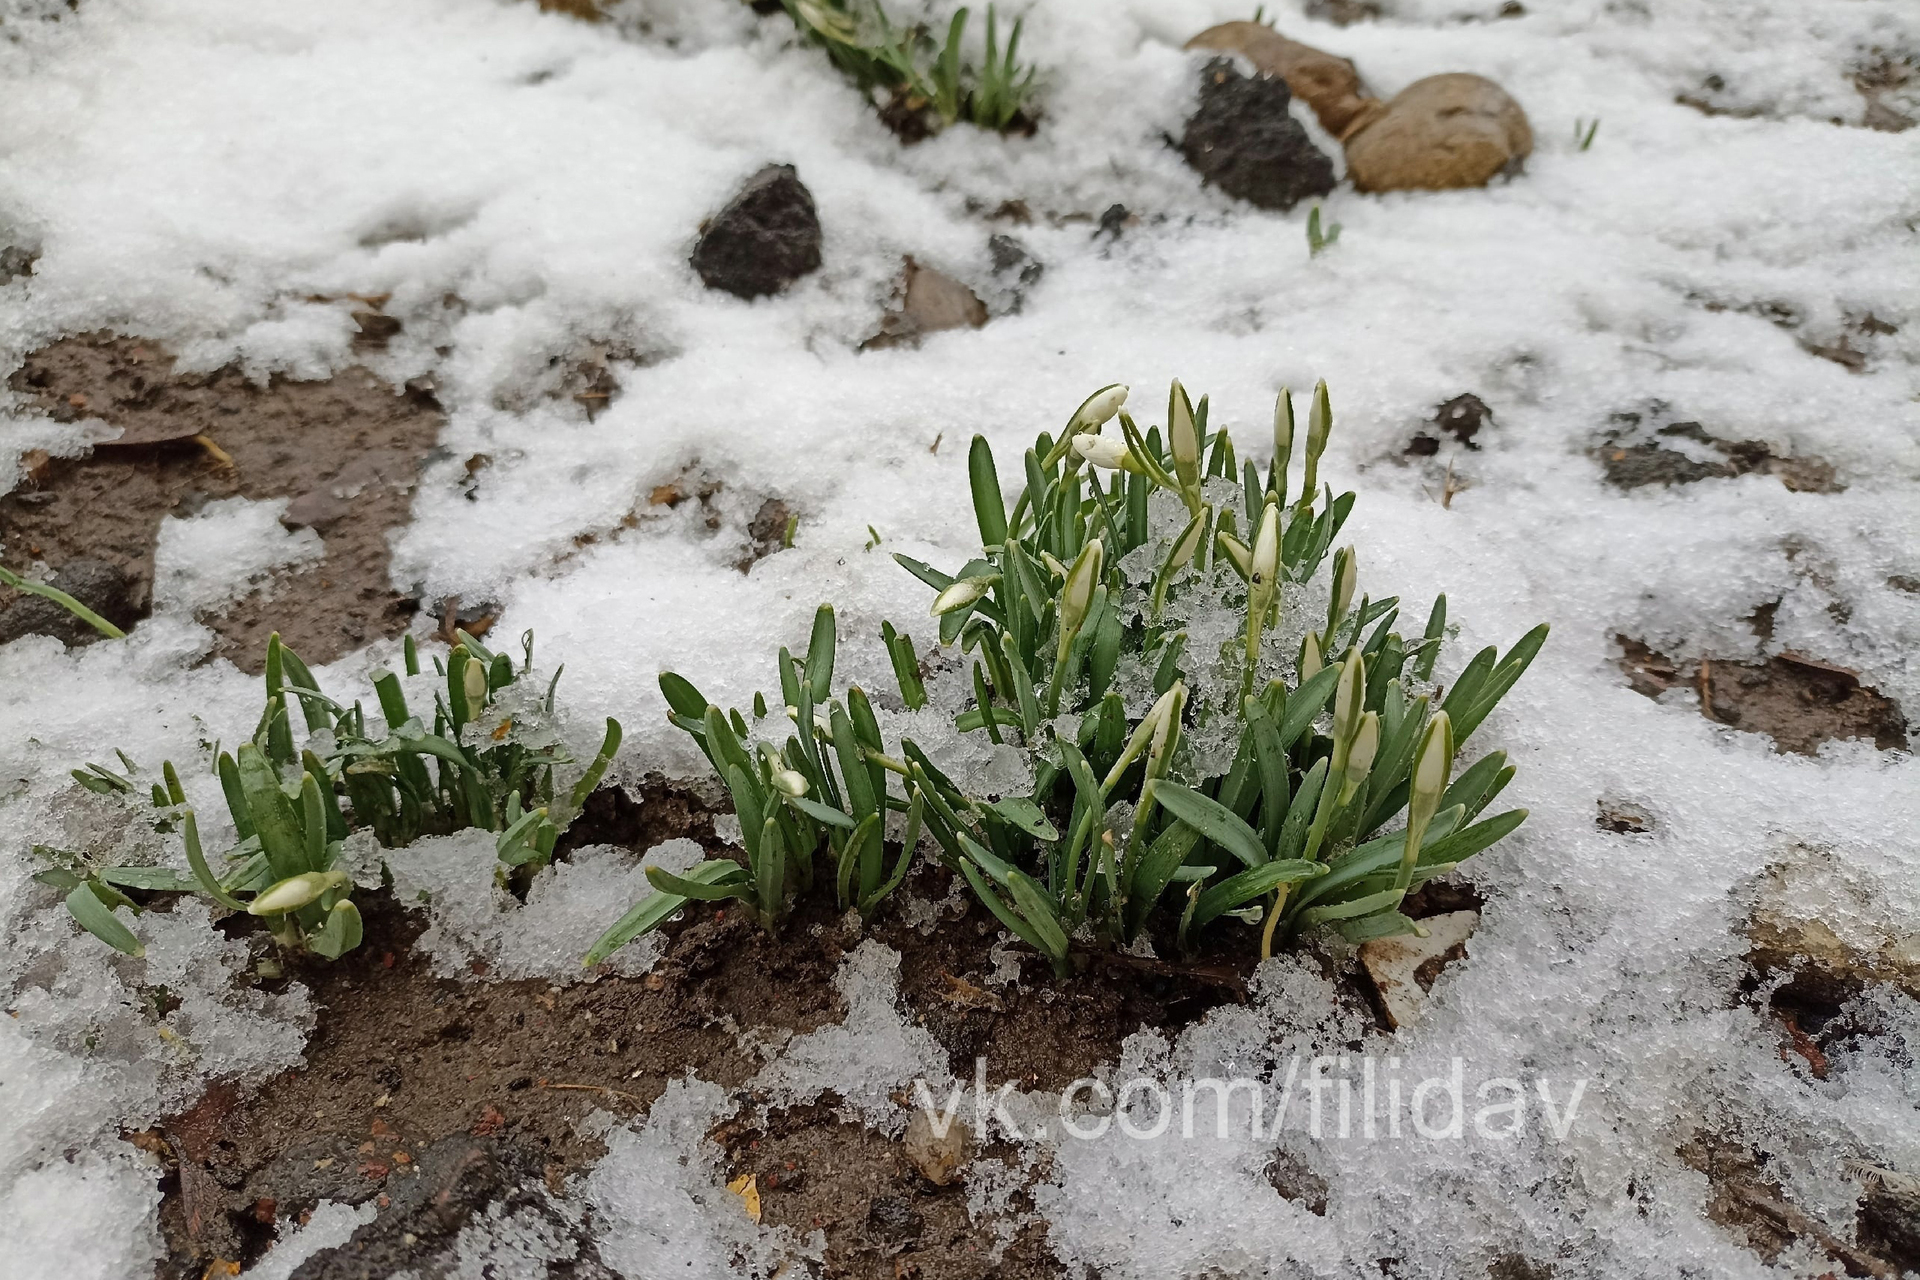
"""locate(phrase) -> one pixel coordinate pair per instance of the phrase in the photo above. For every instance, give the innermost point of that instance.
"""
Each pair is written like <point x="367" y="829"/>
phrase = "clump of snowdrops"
<point x="486" y="760"/>
<point x="1214" y="726"/>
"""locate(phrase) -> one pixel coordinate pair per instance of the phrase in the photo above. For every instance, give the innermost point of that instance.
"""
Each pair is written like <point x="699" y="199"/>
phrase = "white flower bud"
<point x="1077" y="594"/>
<point x="294" y="892"/>
<point x="1347" y="696"/>
<point x="1311" y="663"/>
<point x="1165" y="718"/>
<point x="474" y="681"/>
<point x="790" y="782"/>
<point x="1366" y="744"/>
<point x="1263" y="578"/>
<point x="1098" y="408"/>
<point x="1346" y="574"/>
<point x="1433" y="761"/>
<point x="1187" y="544"/>
<point x="962" y="593"/>
<point x="1282" y="428"/>
<point x="1102" y="451"/>
<point x="1183" y="438"/>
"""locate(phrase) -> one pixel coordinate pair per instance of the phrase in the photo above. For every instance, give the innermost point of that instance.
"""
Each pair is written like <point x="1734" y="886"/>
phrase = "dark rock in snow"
<point x="96" y="584"/>
<point x="1244" y="140"/>
<point x="15" y="261"/>
<point x="767" y="237"/>
<point x="1015" y="270"/>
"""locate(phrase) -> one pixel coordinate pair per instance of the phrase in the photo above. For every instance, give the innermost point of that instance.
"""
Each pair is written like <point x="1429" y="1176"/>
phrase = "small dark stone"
<point x="894" y="1218"/>
<point x="1114" y="222"/>
<point x="1244" y="140"/>
<point x="767" y="237"/>
<point x="100" y="586"/>
<point x="15" y="261"/>
<point x="315" y="509"/>
<point x="1015" y="270"/>
<point x="1462" y="417"/>
<point x="375" y="328"/>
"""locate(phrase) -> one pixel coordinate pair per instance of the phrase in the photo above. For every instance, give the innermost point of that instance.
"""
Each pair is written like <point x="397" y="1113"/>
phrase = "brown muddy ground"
<point x="480" y="1088"/>
<point x="1800" y="702"/>
<point x="346" y="451"/>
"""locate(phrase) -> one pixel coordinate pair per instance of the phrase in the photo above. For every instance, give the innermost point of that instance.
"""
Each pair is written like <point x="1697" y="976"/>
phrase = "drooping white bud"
<point x="962" y="593"/>
<point x="1098" y="408"/>
<point x="294" y="892"/>
<point x="790" y="782"/>
<point x="1187" y="543"/>
<point x="1105" y="451"/>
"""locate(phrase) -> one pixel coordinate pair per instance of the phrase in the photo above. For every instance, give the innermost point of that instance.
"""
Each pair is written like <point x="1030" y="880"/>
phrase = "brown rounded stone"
<point x="1453" y="130"/>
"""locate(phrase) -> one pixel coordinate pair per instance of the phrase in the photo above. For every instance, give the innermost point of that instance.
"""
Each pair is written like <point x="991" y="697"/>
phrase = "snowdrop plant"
<point x="477" y="767"/>
<point x="825" y="789"/>
<point x="1210" y="778"/>
<point x="916" y="72"/>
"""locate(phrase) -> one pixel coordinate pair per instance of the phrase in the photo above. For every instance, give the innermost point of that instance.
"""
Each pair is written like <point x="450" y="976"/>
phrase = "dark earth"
<point x="1243" y="139"/>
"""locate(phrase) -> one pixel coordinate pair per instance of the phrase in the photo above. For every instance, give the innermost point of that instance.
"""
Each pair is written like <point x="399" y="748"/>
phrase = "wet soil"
<point x="1800" y="702"/>
<point x="346" y="451"/>
<point x="1632" y="460"/>
<point x="411" y="1076"/>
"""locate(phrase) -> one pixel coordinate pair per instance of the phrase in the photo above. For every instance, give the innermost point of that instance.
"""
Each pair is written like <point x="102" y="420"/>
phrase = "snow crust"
<point x="196" y="171"/>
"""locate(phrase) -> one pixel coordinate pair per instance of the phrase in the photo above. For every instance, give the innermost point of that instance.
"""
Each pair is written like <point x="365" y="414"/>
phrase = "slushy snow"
<point x="525" y="186"/>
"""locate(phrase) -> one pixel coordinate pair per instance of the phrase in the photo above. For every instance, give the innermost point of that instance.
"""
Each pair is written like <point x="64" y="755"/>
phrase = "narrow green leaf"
<point x="1252" y="883"/>
<point x="820" y="654"/>
<point x="1213" y="820"/>
<point x="659" y="906"/>
<point x="93" y="915"/>
<point x="989" y="506"/>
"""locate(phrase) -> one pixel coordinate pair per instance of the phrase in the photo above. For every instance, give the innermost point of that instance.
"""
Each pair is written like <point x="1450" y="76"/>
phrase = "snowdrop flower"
<point x="1188" y="543"/>
<point x="1366" y="744"/>
<point x="1077" y="594"/>
<point x="962" y="593"/>
<point x="1165" y="718"/>
<point x="295" y="892"/>
<point x="1311" y="663"/>
<point x="1264" y="567"/>
<point x="790" y="782"/>
<point x="1098" y="408"/>
<point x="1183" y="438"/>
<point x="1432" y="761"/>
<point x="1104" y="452"/>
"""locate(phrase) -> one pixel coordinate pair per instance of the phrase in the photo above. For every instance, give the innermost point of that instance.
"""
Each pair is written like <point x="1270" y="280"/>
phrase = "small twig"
<point x="1446" y="488"/>
<point x="221" y="458"/>
<point x="1794" y="1222"/>
<point x="1706" y="689"/>
<point x="635" y="1099"/>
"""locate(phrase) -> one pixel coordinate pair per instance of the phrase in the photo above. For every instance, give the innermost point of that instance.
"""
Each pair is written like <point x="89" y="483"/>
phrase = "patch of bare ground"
<point x="1798" y="701"/>
<point x="481" y="1088"/>
<point x="346" y="451"/>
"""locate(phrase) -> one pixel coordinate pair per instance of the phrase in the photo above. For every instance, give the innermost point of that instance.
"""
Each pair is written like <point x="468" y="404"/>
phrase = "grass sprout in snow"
<point x="916" y="72"/>
<point x="486" y="762"/>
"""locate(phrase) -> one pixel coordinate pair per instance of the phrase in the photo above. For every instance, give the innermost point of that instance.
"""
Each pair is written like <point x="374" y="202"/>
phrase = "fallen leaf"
<point x="747" y="1187"/>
